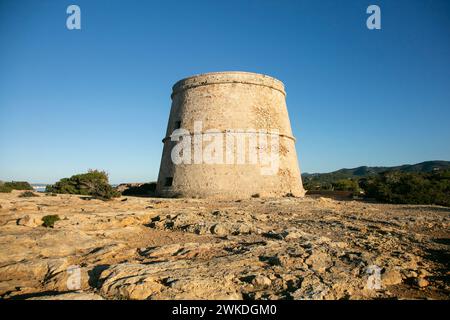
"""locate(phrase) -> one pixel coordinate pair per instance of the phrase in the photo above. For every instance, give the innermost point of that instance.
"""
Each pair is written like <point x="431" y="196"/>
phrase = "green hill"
<point x="321" y="180"/>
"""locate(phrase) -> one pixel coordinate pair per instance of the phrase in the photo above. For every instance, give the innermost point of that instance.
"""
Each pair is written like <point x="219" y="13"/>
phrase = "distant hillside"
<point x="364" y="171"/>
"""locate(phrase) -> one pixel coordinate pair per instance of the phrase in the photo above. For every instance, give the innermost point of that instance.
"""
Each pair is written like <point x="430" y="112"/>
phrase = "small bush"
<point x="145" y="189"/>
<point x="104" y="192"/>
<point x="93" y="183"/>
<point x="19" y="185"/>
<point x="49" y="221"/>
<point x="28" y="194"/>
<point x="346" y="185"/>
<point x="317" y="185"/>
<point x="5" y="189"/>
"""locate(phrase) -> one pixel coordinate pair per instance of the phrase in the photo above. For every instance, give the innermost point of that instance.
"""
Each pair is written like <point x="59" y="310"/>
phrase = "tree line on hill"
<point x="424" y="183"/>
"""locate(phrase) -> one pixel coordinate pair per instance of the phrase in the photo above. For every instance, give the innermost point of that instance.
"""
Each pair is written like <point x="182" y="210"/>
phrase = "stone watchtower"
<point x="218" y="115"/>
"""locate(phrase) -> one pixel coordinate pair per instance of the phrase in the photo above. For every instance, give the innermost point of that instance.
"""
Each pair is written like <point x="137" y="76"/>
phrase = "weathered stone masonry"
<point x="224" y="101"/>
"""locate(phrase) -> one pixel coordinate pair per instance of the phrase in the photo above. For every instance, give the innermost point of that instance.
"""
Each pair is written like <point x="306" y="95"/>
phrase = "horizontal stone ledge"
<point x="233" y="132"/>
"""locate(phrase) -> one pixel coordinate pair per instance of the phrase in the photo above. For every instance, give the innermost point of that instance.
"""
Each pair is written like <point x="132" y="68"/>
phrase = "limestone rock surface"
<point x="276" y="248"/>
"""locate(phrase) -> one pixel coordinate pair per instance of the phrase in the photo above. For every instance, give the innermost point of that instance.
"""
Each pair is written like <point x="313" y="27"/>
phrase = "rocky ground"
<point x="288" y="248"/>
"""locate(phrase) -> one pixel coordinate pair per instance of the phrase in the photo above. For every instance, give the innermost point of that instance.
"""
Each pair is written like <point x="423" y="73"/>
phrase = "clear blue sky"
<point x="100" y="97"/>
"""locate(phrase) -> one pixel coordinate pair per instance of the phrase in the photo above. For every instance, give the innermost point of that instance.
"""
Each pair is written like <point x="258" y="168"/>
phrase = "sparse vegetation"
<point x="49" y="221"/>
<point x="412" y="188"/>
<point x="324" y="181"/>
<point x="52" y="194"/>
<point x="19" y="185"/>
<point x="104" y="192"/>
<point x="93" y="183"/>
<point x="346" y="185"/>
<point x="393" y="187"/>
<point x="145" y="189"/>
<point x="28" y="194"/>
<point x="7" y="187"/>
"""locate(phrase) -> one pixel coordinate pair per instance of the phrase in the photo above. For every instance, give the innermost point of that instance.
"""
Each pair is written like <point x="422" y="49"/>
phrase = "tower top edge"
<point x="227" y="77"/>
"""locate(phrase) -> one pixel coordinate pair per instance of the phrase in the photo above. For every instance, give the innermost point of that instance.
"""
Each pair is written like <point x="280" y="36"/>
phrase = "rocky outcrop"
<point x="137" y="189"/>
<point x="289" y="248"/>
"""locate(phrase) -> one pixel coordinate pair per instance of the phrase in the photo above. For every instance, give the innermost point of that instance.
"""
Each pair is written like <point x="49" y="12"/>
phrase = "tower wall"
<point x="242" y="102"/>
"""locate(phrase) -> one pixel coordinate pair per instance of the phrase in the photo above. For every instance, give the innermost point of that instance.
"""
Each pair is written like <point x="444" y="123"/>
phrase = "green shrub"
<point x="5" y="189"/>
<point x="28" y="194"/>
<point x="346" y="185"/>
<point x="145" y="189"/>
<point x="392" y="186"/>
<point x="412" y="188"/>
<point x="314" y="185"/>
<point x="93" y="183"/>
<point x="49" y="221"/>
<point x="104" y="192"/>
<point x="19" y="185"/>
